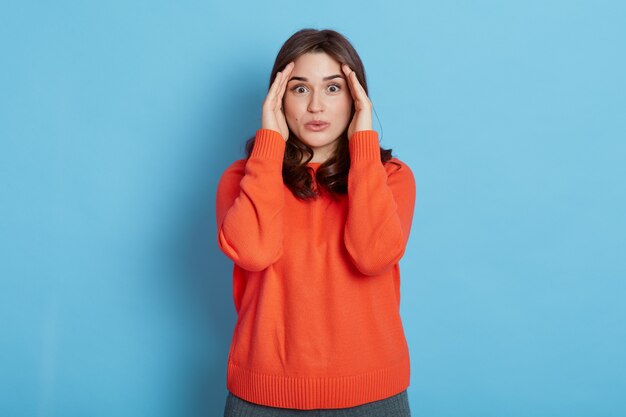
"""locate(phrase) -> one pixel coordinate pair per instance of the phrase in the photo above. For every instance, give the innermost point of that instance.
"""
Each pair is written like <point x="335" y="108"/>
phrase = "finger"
<point x="285" y="80"/>
<point x="361" y="93"/>
<point x="278" y="104"/>
<point x="278" y="80"/>
<point x="349" y="76"/>
<point x="346" y="69"/>
<point x="358" y="92"/>
<point x="272" y="91"/>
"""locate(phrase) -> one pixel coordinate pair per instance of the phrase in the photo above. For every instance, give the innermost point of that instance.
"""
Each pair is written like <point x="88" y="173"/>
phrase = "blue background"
<point x="117" y="119"/>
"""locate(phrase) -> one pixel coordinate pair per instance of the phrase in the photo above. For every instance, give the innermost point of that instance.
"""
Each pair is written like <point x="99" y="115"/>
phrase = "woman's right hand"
<point x="273" y="116"/>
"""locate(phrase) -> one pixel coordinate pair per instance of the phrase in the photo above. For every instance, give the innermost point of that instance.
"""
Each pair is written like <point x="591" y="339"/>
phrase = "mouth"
<point x="316" y="126"/>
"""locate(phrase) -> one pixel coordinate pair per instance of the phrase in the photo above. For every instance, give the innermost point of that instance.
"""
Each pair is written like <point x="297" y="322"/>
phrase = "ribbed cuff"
<point x="364" y="146"/>
<point x="268" y="144"/>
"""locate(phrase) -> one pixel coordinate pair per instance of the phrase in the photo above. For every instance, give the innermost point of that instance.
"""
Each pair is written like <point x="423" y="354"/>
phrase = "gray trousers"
<point x="395" y="406"/>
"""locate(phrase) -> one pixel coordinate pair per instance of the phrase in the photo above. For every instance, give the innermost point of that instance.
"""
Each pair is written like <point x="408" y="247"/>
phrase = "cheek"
<point x="292" y="109"/>
<point x="346" y="107"/>
<point x="290" y="117"/>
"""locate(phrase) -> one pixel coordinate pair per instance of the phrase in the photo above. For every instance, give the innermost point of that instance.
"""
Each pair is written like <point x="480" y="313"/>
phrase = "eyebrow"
<point x="330" y="77"/>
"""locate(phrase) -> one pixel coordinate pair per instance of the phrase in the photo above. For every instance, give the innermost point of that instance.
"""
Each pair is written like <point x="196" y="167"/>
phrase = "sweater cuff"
<point x="268" y="144"/>
<point x="364" y="146"/>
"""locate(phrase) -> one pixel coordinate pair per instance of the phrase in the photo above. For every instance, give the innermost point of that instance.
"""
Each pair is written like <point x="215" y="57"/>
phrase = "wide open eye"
<point x="299" y="89"/>
<point x="334" y="88"/>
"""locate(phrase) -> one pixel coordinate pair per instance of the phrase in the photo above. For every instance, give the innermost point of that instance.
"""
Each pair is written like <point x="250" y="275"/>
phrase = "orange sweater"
<point x="316" y="284"/>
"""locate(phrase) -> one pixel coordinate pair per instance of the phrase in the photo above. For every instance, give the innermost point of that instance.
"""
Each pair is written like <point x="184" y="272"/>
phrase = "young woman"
<point x="316" y="219"/>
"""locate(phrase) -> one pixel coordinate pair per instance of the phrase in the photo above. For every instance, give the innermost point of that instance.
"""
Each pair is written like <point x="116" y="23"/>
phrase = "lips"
<point x="317" y="125"/>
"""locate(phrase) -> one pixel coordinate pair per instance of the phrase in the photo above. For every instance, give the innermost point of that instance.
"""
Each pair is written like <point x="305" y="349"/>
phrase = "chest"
<point x="319" y="221"/>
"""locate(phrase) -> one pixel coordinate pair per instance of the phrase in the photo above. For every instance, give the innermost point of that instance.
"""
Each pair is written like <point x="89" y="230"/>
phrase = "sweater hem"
<point x="306" y="393"/>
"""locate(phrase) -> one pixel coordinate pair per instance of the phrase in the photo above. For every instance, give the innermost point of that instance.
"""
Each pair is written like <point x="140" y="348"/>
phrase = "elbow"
<point x="372" y="270"/>
<point x="247" y="257"/>
<point x="372" y="263"/>
<point x="254" y="264"/>
<point x="375" y="256"/>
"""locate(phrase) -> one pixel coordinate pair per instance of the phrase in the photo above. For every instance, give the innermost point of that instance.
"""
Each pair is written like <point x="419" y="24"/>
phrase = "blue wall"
<point x="117" y="119"/>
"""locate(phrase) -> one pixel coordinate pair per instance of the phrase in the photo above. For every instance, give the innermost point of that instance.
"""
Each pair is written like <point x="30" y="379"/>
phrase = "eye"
<point x="334" y="88"/>
<point x="299" y="89"/>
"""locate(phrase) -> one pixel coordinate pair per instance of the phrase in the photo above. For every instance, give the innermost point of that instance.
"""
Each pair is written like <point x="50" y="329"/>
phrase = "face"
<point x="317" y="103"/>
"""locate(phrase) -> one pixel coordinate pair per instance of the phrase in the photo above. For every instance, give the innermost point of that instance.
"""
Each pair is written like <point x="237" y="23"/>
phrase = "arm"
<point x="380" y="206"/>
<point x="249" y="205"/>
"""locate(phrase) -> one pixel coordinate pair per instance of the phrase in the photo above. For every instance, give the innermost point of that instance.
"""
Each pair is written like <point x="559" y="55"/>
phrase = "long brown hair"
<point x="332" y="175"/>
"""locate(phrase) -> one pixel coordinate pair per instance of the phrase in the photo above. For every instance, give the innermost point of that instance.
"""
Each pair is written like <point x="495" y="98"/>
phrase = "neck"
<point x="323" y="153"/>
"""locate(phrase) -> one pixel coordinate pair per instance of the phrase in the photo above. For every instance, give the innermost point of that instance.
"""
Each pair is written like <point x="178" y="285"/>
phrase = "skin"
<point x="291" y="103"/>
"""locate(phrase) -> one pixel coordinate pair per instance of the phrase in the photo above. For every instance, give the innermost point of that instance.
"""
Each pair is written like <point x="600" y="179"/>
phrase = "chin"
<point x="318" y="139"/>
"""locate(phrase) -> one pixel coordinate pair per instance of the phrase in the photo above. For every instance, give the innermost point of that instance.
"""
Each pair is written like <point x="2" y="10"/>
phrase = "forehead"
<point x="315" y="65"/>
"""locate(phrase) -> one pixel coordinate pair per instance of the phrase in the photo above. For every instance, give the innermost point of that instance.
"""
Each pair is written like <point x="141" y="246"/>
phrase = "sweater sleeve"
<point x="381" y="200"/>
<point x="249" y="205"/>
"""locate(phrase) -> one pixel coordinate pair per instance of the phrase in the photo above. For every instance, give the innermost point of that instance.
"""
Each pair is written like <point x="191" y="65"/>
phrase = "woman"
<point x="316" y="219"/>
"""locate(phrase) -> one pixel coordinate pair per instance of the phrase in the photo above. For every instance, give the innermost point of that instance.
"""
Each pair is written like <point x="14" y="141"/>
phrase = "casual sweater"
<point x="316" y="284"/>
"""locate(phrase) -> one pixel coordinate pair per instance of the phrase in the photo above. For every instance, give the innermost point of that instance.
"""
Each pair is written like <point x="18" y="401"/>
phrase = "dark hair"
<point x="332" y="175"/>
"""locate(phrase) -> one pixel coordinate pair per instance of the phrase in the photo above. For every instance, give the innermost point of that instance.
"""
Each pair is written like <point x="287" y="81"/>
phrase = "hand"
<point x="273" y="116"/>
<point x="362" y="119"/>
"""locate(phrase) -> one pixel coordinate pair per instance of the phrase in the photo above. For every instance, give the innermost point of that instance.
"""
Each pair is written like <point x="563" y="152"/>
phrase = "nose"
<point x="316" y="103"/>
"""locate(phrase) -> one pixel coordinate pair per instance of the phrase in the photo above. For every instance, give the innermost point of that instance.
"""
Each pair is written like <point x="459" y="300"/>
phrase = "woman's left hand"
<point x="362" y="119"/>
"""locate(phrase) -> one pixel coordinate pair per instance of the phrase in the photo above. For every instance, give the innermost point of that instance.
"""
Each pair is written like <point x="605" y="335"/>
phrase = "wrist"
<point x="364" y="146"/>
